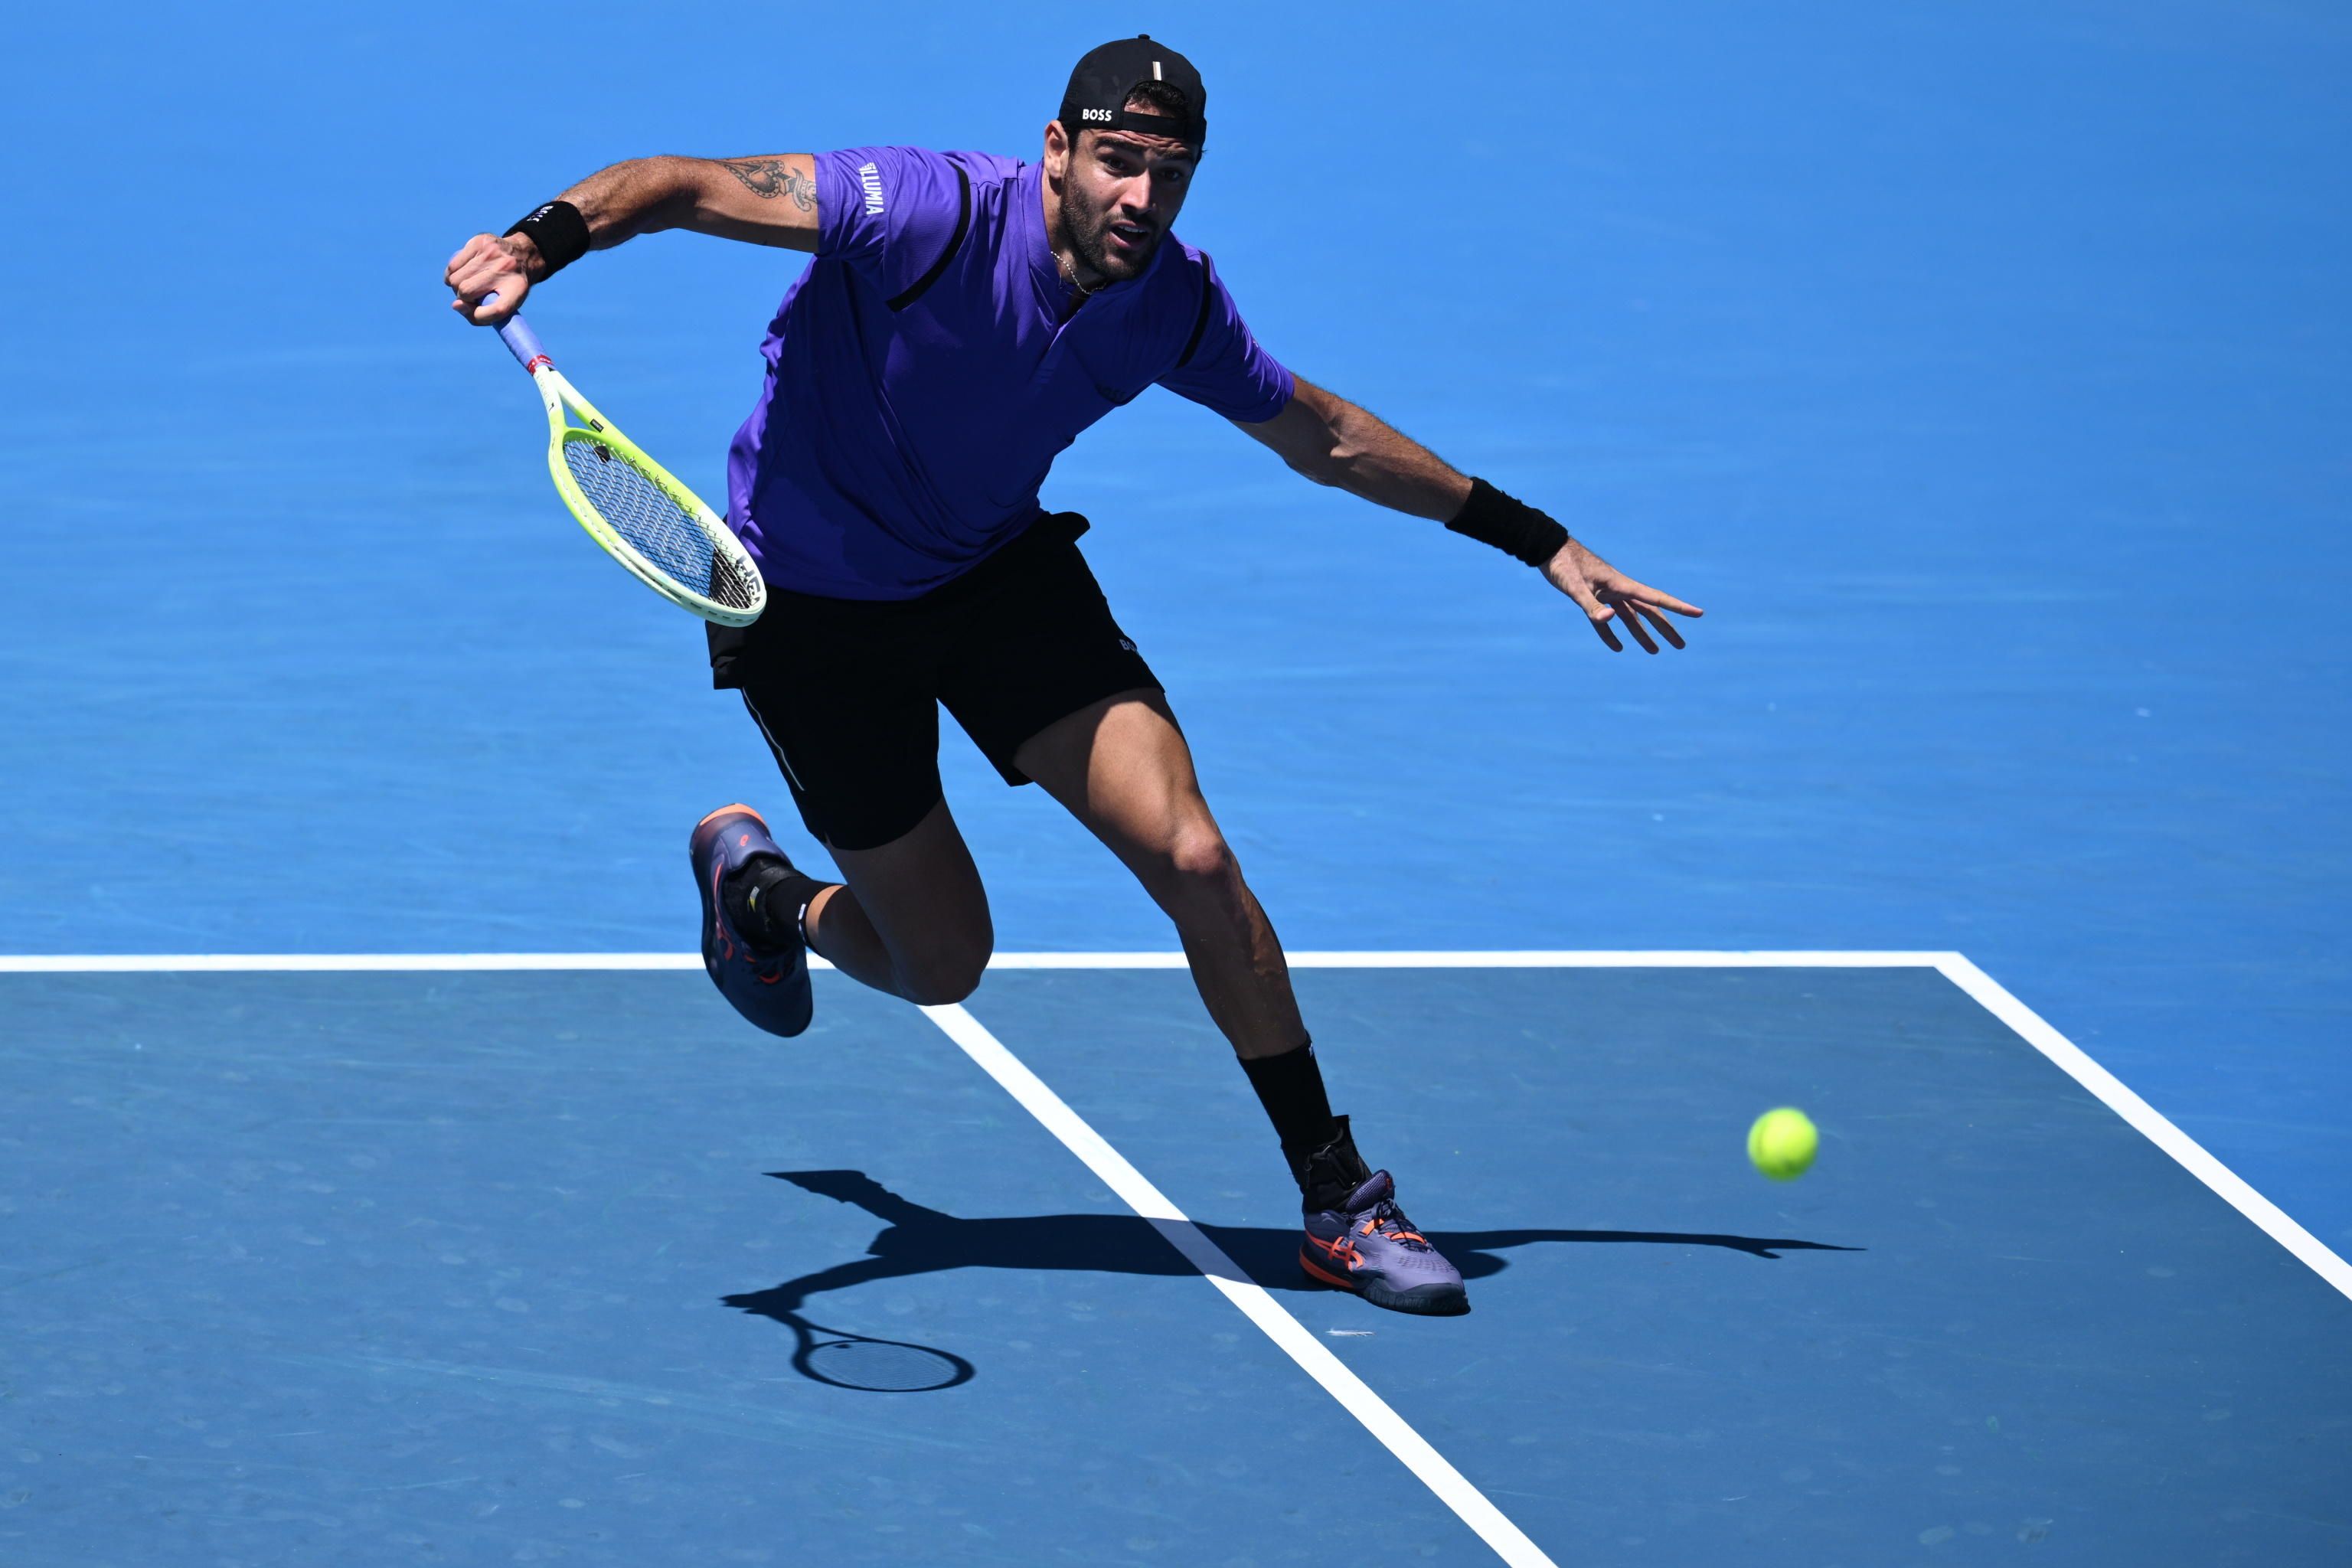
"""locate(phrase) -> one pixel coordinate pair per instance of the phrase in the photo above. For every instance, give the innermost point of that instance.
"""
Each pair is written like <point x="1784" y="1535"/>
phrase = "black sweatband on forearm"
<point x="559" y="231"/>
<point x="1513" y="527"/>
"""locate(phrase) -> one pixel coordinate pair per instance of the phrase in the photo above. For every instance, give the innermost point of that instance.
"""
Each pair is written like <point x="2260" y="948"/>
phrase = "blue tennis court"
<point x="382" y="1183"/>
<point x="441" y="1261"/>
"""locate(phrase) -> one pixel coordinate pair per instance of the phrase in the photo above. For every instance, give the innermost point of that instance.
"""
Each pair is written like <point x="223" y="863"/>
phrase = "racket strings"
<point x="670" y="537"/>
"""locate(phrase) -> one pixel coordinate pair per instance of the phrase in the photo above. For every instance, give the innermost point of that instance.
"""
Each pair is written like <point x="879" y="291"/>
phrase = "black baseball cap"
<point x="1096" y="98"/>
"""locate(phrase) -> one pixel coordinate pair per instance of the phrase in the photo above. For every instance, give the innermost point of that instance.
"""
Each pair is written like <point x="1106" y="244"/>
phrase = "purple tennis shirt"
<point x="920" y="380"/>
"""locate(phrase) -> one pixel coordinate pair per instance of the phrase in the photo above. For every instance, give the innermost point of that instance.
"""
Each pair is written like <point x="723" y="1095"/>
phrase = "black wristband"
<point x="1513" y="527"/>
<point x="559" y="231"/>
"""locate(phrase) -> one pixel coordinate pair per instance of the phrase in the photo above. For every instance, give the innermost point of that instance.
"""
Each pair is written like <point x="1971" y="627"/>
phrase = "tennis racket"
<point x="631" y="505"/>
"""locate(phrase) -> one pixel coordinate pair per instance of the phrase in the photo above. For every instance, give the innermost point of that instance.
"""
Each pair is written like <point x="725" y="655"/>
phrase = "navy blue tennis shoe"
<point x="1364" y="1243"/>
<point x="768" y="985"/>
<point x="1368" y="1246"/>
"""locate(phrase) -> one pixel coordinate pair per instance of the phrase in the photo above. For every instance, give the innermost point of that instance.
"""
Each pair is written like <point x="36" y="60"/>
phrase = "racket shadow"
<point x="916" y="1239"/>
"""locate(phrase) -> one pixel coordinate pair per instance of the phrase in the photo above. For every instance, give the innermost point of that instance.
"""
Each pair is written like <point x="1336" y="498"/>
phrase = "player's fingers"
<point x="1632" y="622"/>
<point x="1666" y="627"/>
<point x="1577" y="586"/>
<point x="469" y="253"/>
<point x="475" y="268"/>
<point x="1574" y="583"/>
<point x="473" y="297"/>
<point x="1647" y="594"/>
<point x="480" y="274"/>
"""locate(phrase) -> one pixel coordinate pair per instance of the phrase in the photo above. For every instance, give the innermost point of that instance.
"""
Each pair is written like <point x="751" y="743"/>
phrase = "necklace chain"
<point x="1072" y="274"/>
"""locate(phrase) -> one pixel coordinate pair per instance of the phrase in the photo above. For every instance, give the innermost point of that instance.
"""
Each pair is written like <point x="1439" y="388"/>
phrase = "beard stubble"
<point x="1086" y="231"/>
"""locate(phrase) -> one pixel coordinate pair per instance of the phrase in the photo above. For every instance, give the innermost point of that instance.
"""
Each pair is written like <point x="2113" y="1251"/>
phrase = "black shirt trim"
<point x="1201" y="316"/>
<point x="900" y="302"/>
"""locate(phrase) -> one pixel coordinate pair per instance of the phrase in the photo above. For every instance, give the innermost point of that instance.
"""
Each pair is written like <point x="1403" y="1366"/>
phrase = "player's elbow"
<point x="1320" y="468"/>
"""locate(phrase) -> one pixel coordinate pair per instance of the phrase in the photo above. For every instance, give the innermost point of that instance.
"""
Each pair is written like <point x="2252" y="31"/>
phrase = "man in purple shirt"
<point x="965" y="317"/>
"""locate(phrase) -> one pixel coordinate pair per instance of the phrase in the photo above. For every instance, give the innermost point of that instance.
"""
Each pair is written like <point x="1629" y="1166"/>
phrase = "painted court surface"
<point x="1983" y="370"/>
<point x="439" y="1264"/>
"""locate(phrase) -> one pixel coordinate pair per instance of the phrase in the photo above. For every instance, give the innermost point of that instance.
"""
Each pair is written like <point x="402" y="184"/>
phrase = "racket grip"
<point x="519" y="340"/>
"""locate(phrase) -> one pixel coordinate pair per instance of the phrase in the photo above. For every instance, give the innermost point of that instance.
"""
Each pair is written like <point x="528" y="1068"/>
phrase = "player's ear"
<point x="1057" y="150"/>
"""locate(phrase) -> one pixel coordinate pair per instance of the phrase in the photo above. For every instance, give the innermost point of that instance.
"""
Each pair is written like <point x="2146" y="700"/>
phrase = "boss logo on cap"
<point x="1101" y="114"/>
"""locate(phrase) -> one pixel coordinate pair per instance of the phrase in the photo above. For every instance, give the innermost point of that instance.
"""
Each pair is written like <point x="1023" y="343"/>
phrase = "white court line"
<point x="419" y="962"/>
<point x="2150" y="1122"/>
<point x="1353" y="1393"/>
<point x="1520" y="959"/>
<point x="330" y="962"/>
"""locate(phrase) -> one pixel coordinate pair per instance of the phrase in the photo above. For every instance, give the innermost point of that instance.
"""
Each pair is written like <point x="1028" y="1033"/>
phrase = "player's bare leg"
<point x="1123" y="768"/>
<point x="912" y="919"/>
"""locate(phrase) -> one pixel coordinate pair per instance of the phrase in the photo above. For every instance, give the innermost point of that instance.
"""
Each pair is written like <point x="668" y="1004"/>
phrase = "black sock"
<point x="1290" y="1086"/>
<point x="1329" y="1172"/>
<point x="765" y="900"/>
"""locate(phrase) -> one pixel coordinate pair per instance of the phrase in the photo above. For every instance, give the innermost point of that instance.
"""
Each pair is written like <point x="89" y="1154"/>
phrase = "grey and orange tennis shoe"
<point x="768" y="985"/>
<point x="1363" y="1242"/>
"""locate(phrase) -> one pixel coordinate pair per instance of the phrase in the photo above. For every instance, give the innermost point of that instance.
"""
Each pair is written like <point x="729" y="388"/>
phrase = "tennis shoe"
<point x="1364" y="1243"/>
<point x="768" y="985"/>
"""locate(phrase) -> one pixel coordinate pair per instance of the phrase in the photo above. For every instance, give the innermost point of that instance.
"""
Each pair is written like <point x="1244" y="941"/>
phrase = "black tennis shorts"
<point x="847" y="692"/>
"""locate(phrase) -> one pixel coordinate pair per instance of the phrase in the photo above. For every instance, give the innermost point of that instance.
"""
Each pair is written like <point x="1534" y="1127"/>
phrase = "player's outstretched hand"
<point x="486" y="264"/>
<point x="1609" y="599"/>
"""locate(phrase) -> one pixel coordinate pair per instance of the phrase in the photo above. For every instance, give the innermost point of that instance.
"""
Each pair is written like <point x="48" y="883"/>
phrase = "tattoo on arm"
<point x="768" y="177"/>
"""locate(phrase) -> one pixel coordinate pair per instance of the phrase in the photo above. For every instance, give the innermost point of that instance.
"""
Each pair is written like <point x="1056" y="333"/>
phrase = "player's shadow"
<point x="920" y="1240"/>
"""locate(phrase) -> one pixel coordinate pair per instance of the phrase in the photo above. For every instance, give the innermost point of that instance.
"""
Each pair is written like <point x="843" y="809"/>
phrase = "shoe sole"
<point x="1441" y="1304"/>
<point x="708" y="887"/>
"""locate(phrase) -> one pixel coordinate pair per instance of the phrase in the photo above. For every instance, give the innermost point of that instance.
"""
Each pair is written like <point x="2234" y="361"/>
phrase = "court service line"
<point x="333" y="963"/>
<point x="418" y="963"/>
<point x="1354" y="1395"/>
<point x="1527" y="958"/>
<point x="2149" y="1122"/>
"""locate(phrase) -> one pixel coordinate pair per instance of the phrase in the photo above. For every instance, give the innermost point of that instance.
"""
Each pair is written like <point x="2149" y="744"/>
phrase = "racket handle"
<point x="520" y="341"/>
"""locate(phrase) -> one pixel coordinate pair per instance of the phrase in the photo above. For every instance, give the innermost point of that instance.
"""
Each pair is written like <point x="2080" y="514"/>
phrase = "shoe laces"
<point x="1385" y="1219"/>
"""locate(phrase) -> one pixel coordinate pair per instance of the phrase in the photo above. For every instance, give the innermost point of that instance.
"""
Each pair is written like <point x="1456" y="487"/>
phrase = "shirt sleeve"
<point x="1224" y="368"/>
<point x="889" y="212"/>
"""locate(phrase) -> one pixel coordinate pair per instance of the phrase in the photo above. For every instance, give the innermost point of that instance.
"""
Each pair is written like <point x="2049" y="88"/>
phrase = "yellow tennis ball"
<point x="1783" y="1143"/>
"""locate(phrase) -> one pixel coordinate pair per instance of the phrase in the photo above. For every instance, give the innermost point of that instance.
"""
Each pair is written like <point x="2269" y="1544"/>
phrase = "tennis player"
<point x="965" y="317"/>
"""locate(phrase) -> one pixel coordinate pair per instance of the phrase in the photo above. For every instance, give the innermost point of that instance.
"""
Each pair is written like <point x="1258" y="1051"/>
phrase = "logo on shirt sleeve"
<point x="871" y="178"/>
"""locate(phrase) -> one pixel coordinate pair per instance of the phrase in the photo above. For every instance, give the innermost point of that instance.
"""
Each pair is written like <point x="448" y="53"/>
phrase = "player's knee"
<point x="1198" y="856"/>
<point x="945" y="975"/>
